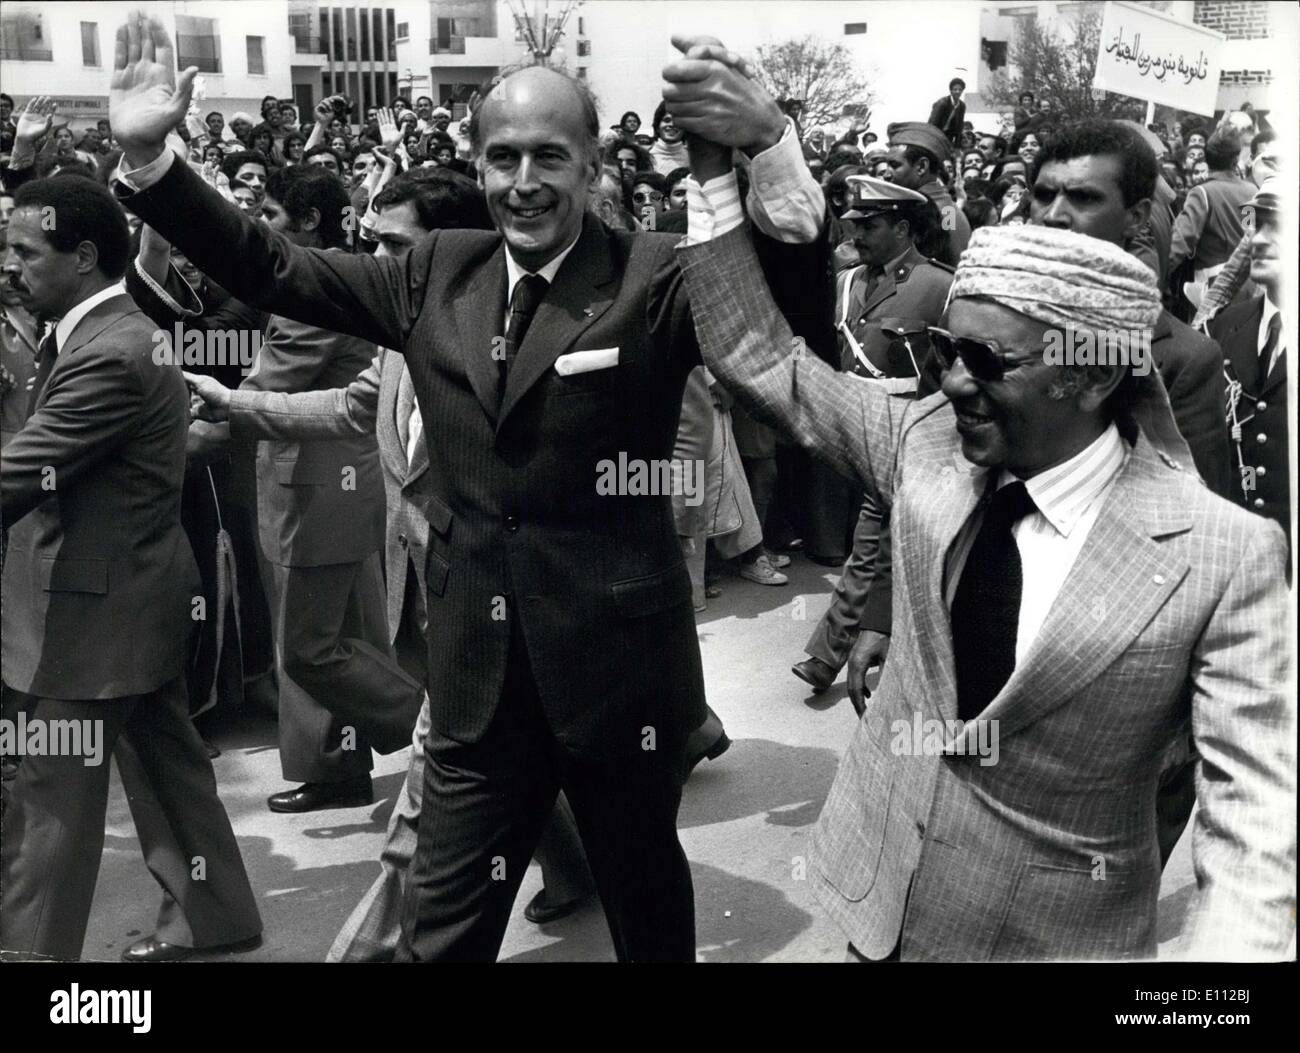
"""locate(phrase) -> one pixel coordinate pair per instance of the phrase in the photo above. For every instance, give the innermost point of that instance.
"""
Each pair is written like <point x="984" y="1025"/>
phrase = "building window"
<point x="854" y="29"/>
<point x="581" y="32"/>
<point x="198" y="44"/>
<point x="584" y="48"/>
<point x="256" y="55"/>
<point x="90" y="43"/>
<point x="22" y="37"/>
<point x="582" y="72"/>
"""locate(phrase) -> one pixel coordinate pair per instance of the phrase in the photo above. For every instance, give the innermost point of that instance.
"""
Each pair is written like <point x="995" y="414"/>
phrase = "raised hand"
<point x="325" y="110"/>
<point x="710" y="94"/>
<point x="146" y="100"/>
<point x="389" y="134"/>
<point x="35" y="120"/>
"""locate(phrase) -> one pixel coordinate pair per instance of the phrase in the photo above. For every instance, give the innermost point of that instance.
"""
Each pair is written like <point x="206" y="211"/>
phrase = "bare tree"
<point x="1060" y="66"/>
<point x="824" y="76"/>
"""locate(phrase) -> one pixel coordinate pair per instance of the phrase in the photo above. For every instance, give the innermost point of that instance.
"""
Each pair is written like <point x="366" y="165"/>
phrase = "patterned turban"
<point x="1072" y="281"/>
<point x="1059" y="278"/>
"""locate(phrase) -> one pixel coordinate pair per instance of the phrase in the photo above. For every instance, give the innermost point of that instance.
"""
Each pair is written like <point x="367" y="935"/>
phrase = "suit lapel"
<point x="944" y="507"/>
<point x="480" y="312"/>
<point x="390" y="442"/>
<point x="579" y="295"/>
<point x="1120" y="579"/>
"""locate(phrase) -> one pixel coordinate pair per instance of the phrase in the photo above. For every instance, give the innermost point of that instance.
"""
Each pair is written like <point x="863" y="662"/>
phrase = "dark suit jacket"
<point x="99" y="576"/>
<point x="367" y="406"/>
<point x="1191" y="365"/>
<point x="518" y="529"/>
<point x="320" y="502"/>
<point x="948" y="118"/>
<point x="1263" y="400"/>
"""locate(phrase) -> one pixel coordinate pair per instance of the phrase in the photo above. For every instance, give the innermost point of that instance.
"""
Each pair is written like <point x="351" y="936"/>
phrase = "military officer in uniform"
<point x="882" y="311"/>
<point x="916" y="154"/>
<point x="1255" y="346"/>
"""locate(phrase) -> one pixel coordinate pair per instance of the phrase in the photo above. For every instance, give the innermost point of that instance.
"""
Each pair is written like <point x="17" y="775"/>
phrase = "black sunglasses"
<point x="982" y="360"/>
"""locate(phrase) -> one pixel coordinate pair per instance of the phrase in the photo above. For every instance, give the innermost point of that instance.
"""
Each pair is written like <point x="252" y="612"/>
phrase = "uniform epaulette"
<point x="941" y="265"/>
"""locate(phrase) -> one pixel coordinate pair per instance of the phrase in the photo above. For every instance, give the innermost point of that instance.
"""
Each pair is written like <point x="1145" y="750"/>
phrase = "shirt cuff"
<point x="712" y="209"/>
<point x="785" y="201"/>
<point x="169" y="301"/>
<point x="145" y="176"/>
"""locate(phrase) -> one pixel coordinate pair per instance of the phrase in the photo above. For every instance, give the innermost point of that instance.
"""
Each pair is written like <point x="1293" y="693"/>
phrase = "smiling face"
<point x="536" y="164"/>
<point x="1021" y="422"/>
<point x="1029" y="147"/>
<point x="253" y="176"/>
<point x="668" y="131"/>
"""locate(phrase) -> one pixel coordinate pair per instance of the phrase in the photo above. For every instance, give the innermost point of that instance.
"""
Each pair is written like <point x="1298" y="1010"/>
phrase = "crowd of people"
<point x="367" y="487"/>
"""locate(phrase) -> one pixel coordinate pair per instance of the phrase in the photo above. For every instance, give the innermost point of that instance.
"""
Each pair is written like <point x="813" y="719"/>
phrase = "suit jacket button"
<point x="512" y="525"/>
<point x="401" y="540"/>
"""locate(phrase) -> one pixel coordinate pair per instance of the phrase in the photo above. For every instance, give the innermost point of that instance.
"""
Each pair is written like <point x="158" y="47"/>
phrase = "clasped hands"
<point x="713" y="97"/>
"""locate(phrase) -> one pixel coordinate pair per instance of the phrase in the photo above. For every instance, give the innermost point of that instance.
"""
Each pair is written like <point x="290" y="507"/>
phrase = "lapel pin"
<point x="588" y="312"/>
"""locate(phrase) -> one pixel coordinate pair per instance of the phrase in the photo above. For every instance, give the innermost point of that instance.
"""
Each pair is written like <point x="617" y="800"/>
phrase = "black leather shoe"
<point x="714" y="747"/>
<point x="313" y="795"/>
<point x="540" y="910"/>
<point x="816" y="673"/>
<point x="152" y="949"/>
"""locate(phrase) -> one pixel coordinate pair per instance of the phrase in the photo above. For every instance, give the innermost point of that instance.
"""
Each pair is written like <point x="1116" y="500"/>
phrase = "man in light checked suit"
<point x="1143" y="604"/>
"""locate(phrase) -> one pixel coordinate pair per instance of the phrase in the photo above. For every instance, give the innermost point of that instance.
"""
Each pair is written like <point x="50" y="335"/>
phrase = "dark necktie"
<point x="1270" y="345"/>
<point x="46" y="352"/>
<point x="986" y="607"/>
<point x="529" y="292"/>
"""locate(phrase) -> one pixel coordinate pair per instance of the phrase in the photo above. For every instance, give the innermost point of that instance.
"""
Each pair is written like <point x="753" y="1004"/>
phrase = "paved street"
<point x="745" y="820"/>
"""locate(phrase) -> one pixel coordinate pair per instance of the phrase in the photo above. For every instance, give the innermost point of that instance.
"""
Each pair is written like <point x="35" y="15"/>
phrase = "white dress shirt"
<point x="69" y="321"/>
<point x="1067" y="500"/>
<point x="1270" y="309"/>
<point x="785" y="201"/>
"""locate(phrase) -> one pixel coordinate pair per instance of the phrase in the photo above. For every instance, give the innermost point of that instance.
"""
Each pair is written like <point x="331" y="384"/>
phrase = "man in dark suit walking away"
<point x="541" y="357"/>
<point x="98" y="590"/>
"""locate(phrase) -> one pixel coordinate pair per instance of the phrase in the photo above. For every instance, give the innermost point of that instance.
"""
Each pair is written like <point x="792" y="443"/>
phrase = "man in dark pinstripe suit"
<point x="566" y="654"/>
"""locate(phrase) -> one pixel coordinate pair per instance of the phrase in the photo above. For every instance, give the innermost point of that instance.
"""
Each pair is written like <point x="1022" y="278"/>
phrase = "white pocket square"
<point x="586" y="361"/>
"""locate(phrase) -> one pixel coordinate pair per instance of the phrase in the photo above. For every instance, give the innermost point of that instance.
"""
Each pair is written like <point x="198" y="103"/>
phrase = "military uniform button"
<point x="1261" y="470"/>
<point x="1259" y="502"/>
<point x="1261" y="406"/>
<point x="1261" y="438"/>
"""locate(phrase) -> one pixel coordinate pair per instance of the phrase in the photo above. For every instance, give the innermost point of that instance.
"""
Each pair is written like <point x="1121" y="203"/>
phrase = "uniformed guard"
<point x="916" y="154"/>
<point x="883" y="309"/>
<point x="1255" y="348"/>
<point x="884" y="306"/>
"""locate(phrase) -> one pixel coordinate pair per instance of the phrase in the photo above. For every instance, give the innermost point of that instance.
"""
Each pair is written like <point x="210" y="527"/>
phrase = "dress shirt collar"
<point x="69" y="321"/>
<point x="1064" y="492"/>
<point x="514" y="271"/>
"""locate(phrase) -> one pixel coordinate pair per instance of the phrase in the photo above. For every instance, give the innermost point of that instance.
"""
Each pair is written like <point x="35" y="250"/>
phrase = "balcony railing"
<point x="446" y="46"/>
